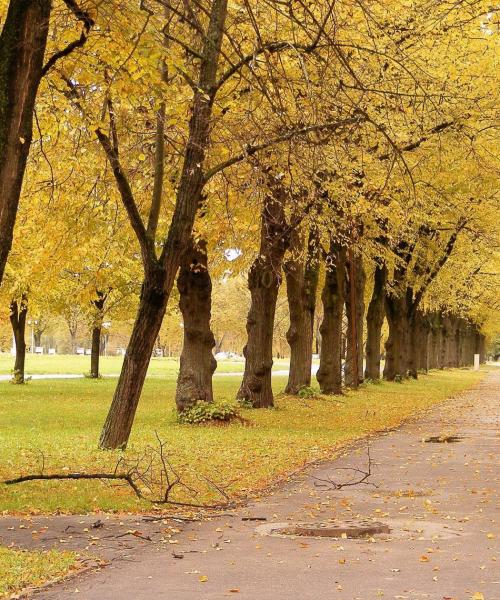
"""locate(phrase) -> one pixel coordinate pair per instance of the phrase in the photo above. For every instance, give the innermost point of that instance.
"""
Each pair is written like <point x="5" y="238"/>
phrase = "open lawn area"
<point x="110" y="365"/>
<point x="61" y="420"/>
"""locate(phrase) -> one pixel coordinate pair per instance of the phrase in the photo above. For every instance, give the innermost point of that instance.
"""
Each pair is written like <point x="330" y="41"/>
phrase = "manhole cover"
<point x="333" y="529"/>
<point x="444" y="439"/>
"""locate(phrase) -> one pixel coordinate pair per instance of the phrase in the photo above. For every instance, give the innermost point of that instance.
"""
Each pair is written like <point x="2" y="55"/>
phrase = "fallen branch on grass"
<point x="149" y="473"/>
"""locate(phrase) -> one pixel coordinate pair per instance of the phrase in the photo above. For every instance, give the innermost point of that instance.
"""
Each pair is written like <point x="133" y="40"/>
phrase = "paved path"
<point x="440" y="501"/>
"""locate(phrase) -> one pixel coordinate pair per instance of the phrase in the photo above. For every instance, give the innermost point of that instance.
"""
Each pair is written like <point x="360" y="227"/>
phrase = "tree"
<point x="22" y="48"/>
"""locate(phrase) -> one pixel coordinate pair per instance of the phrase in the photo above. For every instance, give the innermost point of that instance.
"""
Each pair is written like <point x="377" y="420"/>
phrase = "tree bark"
<point x="37" y="338"/>
<point x="197" y="363"/>
<point x="374" y="322"/>
<point x="396" y="347"/>
<point x="95" y="348"/>
<point x="160" y="273"/>
<point x="301" y="285"/>
<point x="264" y="279"/>
<point x="152" y="306"/>
<point x="22" y="47"/>
<point x="329" y="374"/>
<point x="18" y="314"/>
<point x="355" y="311"/>
<point x="95" y="352"/>
<point x="435" y="323"/>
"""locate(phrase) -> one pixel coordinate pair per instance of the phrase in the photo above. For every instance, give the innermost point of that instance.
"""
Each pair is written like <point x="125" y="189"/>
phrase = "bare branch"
<point x="294" y="133"/>
<point x="88" y="23"/>
<point x="363" y="475"/>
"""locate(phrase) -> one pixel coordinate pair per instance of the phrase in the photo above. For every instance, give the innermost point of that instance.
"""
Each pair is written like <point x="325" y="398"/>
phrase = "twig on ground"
<point x="329" y="483"/>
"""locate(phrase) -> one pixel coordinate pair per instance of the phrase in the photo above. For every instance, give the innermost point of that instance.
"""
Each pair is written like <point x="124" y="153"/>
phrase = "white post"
<point x="476" y="362"/>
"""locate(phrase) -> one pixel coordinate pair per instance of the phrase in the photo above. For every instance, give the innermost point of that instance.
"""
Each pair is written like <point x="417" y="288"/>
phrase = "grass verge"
<point x="20" y="569"/>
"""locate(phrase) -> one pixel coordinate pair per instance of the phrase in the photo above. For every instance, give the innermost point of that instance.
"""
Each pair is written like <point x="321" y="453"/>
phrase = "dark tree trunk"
<point x="197" y="363"/>
<point x="95" y="349"/>
<point x="37" y="338"/>
<point x="264" y="279"/>
<point x="435" y="337"/>
<point x="423" y="343"/>
<point x="329" y="374"/>
<point x="355" y="311"/>
<point x="374" y="322"/>
<point x="396" y="347"/>
<point x="22" y="47"/>
<point x="18" y="313"/>
<point x="301" y="285"/>
<point x="160" y="273"/>
<point x="152" y="306"/>
<point x="482" y="348"/>
<point x="95" y="352"/>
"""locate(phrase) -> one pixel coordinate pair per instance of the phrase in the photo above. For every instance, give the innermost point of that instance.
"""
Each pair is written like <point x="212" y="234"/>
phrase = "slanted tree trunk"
<point x="160" y="272"/>
<point x="355" y="311"/>
<point x="301" y="284"/>
<point x="197" y="364"/>
<point x="329" y="374"/>
<point x="152" y="306"/>
<point x="374" y="322"/>
<point x="95" y="348"/>
<point x="396" y="347"/>
<point x="22" y="47"/>
<point x="18" y="313"/>
<point x="264" y="279"/>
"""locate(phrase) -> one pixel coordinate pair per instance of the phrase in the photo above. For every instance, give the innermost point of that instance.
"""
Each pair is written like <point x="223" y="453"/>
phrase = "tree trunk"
<point x="160" y="273"/>
<point x="152" y="306"/>
<point x="22" y="47"/>
<point x="219" y="344"/>
<point x="374" y="322"/>
<point x="301" y="285"/>
<point x="355" y="311"/>
<point x="18" y="313"/>
<point x="95" y="349"/>
<point x="37" y="338"/>
<point x="95" y="352"/>
<point x="197" y="363"/>
<point x="423" y="347"/>
<point x="436" y="326"/>
<point x="329" y="374"/>
<point x="264" y="279"/>
<point x="396" y="347"/>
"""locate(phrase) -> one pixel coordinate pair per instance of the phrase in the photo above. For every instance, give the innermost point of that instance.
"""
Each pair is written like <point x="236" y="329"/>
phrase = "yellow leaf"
<point x="203" y="578"/>
<point x="477" y="596"/>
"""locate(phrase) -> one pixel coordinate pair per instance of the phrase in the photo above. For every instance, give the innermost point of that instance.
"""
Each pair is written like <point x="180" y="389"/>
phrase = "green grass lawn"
<point x="20" y="569"/>
<point x="61" y="419"/>
<point x="111" y="365"/>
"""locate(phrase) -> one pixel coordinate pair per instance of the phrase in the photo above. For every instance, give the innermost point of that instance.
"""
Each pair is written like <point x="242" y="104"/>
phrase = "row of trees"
<point x="335" y="145"/>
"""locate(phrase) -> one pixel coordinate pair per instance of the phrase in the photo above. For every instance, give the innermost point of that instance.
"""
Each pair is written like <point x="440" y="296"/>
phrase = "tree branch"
<point x="127" y="197"/>
<point x="253" y="149"/>
<point x="88" y="23"/>
<point x="432" y="274"/>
